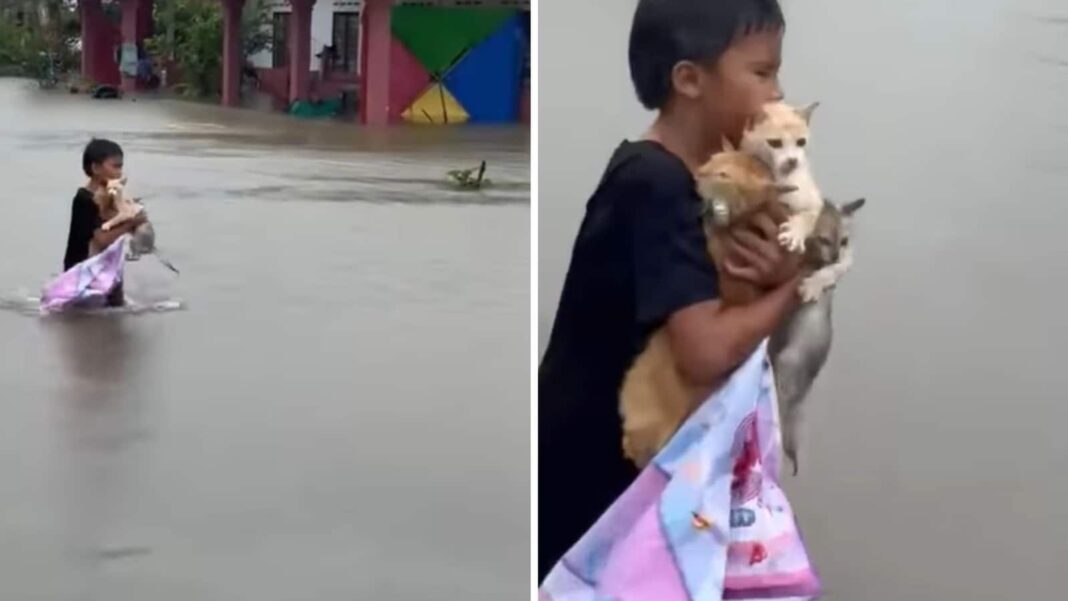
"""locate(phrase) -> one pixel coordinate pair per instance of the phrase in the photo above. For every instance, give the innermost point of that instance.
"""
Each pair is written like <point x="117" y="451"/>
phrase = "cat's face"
<point x="833" y="232"/>
<point x="735" y="175"/>
<point x="111" y="193"/>
<point x="115" y="188"/>
<point x="779" y="137"/>
<point x="115" y="185"/>
<point x="729" y="172"/>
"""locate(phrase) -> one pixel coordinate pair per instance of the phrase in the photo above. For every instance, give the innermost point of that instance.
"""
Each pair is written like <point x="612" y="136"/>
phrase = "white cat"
<point x="779" y="137"/>
<point x="113" y="199"/>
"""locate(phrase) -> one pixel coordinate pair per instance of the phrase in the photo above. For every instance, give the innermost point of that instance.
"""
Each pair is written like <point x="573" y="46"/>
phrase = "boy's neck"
<point x="680" y="138"/>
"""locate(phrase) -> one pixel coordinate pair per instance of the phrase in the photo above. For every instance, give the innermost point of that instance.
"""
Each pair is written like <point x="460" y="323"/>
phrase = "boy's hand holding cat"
<point x="755" y="255"/>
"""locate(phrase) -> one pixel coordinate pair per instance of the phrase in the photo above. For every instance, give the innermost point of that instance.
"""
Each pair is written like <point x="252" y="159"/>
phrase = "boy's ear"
<point x="686" y="79"/>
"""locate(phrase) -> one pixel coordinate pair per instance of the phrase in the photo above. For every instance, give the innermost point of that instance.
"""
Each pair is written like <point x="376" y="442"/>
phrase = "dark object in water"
<point x="122" y="552"/>
<point x="105" y="92"/>
<point x="466" y="178"/>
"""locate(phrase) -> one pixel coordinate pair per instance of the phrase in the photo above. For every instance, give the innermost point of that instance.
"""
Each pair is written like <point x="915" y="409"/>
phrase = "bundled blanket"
<point x="87" y="284"/>
<point x="706" y="520"/>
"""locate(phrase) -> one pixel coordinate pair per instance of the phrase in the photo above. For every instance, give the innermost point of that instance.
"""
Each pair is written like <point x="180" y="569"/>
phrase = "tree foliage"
<point x="31" y="29"/>
<point x="190" y="33"/>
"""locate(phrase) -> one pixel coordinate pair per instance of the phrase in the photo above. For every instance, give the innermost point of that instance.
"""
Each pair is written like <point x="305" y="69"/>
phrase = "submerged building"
<point x="431" y="62"/>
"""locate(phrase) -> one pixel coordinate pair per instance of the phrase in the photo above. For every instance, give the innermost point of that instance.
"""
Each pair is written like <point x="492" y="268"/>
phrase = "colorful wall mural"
<point x="454" y="65"/>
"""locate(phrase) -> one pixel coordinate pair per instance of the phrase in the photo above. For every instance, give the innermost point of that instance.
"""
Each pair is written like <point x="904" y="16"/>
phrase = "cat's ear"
<point x="727" y="146"/>
<point x="853" y="206"/>
<point x="806" y="112"/>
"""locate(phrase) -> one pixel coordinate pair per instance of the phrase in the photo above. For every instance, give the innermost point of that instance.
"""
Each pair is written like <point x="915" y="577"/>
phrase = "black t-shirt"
<point x="639" y="256"/>
<point x="84" y="220"/>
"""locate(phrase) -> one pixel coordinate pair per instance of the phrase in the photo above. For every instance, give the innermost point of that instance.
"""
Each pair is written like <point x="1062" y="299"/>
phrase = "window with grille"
<point x="279" y="40"/>
<point x="346" y="41"/>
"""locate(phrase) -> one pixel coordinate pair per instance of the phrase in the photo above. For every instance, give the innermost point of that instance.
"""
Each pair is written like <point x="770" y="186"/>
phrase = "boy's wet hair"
<point x="665" y="32"/>
<point x="97" y="151"/>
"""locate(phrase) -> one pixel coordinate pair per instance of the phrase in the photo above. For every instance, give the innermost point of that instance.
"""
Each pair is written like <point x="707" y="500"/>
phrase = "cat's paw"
<point x="791" y="236"/>
<point x="810" y="290"/>
<point x="106" y="227"/>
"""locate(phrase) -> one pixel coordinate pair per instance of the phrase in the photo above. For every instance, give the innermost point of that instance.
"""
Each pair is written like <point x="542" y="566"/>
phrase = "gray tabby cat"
<point x="799" y="347"/>
<point x="143" y="242"/>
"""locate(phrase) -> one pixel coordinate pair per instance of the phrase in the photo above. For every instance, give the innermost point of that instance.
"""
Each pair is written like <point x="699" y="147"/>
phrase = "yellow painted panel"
<point x="436" y="106"/>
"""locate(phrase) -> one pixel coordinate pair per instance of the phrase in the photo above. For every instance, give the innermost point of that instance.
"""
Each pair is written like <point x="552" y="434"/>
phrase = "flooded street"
<point x="933" y="465"/>
<point x="340" y="411"/>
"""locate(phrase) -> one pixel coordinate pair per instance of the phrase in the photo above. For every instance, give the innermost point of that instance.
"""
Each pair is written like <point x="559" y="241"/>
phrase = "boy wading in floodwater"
<point x="101" y="161"/>
<point x="639" y="261"/>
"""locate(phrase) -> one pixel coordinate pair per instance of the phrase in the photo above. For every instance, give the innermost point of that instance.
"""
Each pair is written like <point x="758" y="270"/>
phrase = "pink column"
<point x="232" y="52"/>
<point x="145" y="24"/>
<point x="88" y="11"/>
<point x="300" y="49"/>
<point x="375" y="77"/>
<point x="98" y="44"/>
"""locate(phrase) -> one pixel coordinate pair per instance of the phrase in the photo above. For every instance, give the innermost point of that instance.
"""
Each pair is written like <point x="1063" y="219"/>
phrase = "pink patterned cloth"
<point x="87" y="284"/>
<point x="706" y="520"/>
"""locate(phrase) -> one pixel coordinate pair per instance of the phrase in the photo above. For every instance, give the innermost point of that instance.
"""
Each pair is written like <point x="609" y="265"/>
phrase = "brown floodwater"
<point x="340" y="411"/>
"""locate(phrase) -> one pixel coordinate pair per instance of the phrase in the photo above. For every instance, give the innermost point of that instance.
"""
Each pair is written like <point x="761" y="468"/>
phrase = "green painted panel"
<point x="439" y="36"/>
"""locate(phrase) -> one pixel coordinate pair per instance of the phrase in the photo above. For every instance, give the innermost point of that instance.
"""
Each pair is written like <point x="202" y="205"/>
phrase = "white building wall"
<point x="323" y="20"/>
<point x="322" y="26"/>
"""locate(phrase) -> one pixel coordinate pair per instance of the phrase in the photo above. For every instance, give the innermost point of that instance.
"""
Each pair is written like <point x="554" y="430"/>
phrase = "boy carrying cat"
<point x="639" y="261"/>
<point x="102" y="161"/>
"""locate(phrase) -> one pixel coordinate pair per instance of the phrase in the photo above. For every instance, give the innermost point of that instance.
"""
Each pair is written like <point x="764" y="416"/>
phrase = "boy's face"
<point x="109" y="169"/>
<point x="732" y="91"/>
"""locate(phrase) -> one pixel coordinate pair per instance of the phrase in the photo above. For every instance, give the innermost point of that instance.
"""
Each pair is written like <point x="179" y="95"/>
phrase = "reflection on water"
<point x="306" y="428"/>
<point x="102" y="426"/>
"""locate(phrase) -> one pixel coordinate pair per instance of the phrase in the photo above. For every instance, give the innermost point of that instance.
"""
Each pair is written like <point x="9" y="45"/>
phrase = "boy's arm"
<point x="709" y="340"/>
<point x="677" y="284"/>
<point x="103" y="239"/>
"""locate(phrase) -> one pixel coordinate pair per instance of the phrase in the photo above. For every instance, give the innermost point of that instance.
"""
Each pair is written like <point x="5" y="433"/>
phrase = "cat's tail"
<point x="165" y="262"/>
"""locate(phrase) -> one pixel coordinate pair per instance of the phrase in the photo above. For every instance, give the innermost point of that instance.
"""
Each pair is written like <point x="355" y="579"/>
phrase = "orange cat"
<point x="735" y="185"/>
<point x="114" y="203"/>
<point x="654" y="398"/>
